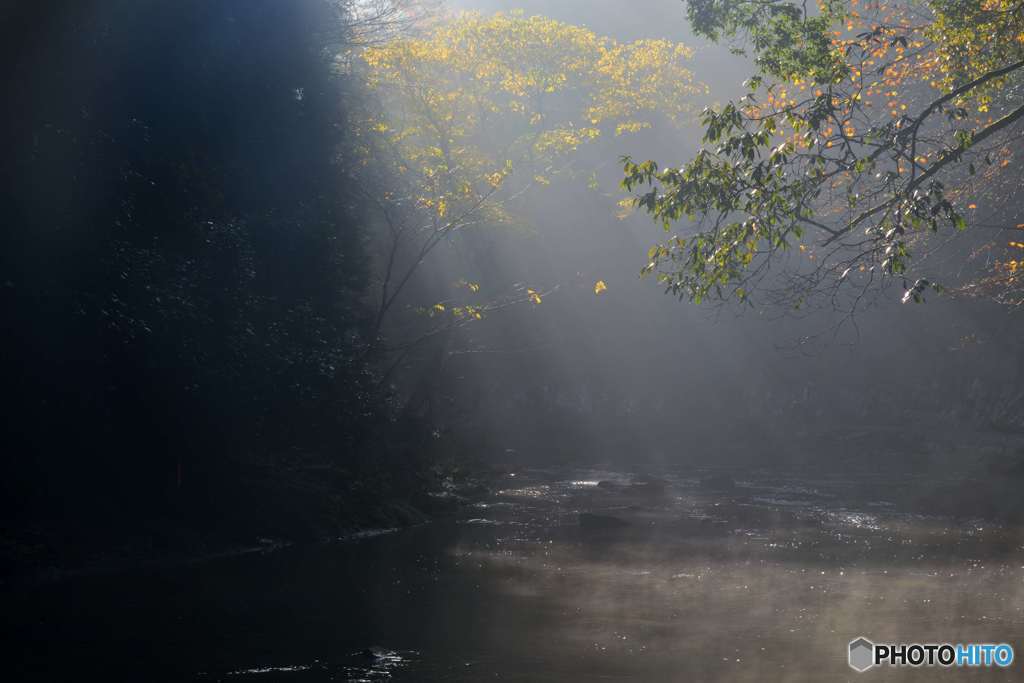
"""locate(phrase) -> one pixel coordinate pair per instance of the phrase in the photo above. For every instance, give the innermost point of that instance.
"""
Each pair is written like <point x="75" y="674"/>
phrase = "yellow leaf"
<point x="600" y="286"/>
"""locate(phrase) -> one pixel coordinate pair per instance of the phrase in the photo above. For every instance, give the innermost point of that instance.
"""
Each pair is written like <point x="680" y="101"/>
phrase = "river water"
<point x="661" y="581"/>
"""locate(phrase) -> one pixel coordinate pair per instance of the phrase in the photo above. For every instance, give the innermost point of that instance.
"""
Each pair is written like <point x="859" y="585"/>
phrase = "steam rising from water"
<point x="767" y="583"/>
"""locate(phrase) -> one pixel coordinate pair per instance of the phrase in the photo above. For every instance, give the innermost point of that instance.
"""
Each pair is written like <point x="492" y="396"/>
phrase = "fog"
<point x="330" y="355"/>
<point x="639" y="375"/>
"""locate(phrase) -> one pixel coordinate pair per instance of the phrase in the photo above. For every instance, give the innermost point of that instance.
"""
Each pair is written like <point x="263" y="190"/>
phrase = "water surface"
<point x="663" y="581"/>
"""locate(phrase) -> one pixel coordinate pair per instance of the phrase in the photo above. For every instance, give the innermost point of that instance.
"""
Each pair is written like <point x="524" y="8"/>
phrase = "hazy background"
<point x="636" y="374"/>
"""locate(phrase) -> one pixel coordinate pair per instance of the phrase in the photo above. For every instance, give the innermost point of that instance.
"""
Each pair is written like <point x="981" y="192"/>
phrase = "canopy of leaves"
<point x="477" y="96"/>
<point x="864" y="130"/>
<point x="479" y="110"/>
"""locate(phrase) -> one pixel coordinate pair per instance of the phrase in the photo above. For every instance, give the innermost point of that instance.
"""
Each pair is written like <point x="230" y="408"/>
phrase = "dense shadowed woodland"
<point x="184" y="292"/>
<point x="248" y="298"/>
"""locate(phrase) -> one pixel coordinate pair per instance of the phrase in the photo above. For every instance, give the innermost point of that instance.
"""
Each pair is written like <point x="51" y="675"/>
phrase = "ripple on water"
<point x="486" y="506"/>
<point x="480" y="521"/>
<point x="365" y="666"/>
<point x="381" y="665"/>
<point x="539" y="491"/>
<point x="857" y="520"/>
<point x="582" y="483"/>
<point x="270" y="670"/>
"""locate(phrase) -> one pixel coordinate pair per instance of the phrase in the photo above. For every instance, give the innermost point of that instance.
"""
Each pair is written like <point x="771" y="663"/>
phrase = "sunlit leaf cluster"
<point x="868" y="126"/>
<point x="479" y="96"/>
<point x="477" y="111"/>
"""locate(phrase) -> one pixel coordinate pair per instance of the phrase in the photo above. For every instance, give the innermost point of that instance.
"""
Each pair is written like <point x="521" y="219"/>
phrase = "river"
<point x="663" y="580"/>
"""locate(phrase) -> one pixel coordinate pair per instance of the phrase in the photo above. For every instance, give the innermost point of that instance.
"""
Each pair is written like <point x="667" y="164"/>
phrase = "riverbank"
<point x="303" y="511"/>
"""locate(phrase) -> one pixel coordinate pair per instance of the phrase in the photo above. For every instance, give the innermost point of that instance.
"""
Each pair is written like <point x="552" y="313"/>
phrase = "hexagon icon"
<point x="862" y="654"/>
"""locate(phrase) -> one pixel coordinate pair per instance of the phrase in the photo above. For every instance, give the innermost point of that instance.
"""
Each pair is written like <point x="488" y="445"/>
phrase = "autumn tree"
<point x="477" y="113"/>
<point x="869" y="126"/>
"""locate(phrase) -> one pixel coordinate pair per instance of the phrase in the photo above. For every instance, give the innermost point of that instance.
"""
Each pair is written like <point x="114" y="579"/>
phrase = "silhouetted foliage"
<point x="183" y="261"/>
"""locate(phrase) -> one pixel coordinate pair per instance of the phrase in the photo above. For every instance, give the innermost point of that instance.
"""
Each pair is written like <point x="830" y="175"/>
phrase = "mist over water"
<point x="231" y="461"/>
<point x="767" y="581"/>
